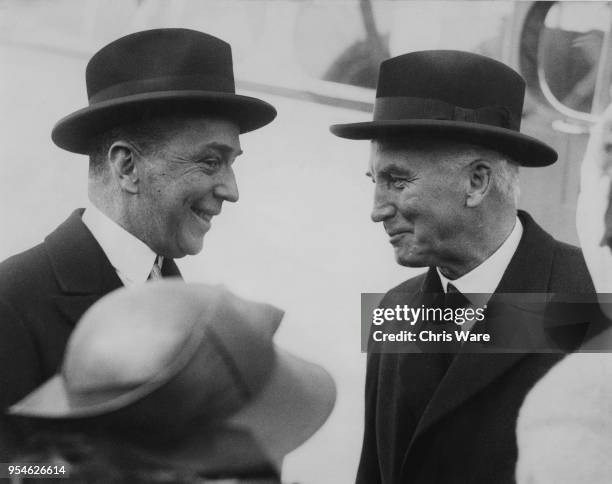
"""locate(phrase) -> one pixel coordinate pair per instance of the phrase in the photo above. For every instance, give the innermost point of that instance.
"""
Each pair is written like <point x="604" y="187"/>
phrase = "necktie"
<point x="454" y="299"/>
<point x="156" y="272"/>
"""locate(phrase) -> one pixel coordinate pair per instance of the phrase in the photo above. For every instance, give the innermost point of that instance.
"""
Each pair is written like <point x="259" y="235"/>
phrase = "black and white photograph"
<point x="306" y="241"/>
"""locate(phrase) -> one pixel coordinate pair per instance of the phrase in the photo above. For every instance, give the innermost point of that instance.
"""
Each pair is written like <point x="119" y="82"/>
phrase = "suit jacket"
<point x="427" y="422"/>
<point x="43" y="293"/>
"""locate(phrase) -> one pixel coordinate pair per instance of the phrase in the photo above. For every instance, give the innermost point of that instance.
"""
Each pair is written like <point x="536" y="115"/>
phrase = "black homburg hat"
<point x="458" y="95"/>
<point x="178" y="69"/>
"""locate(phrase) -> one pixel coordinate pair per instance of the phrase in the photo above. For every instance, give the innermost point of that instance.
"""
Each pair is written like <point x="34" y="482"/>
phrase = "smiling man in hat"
<point x="446" y="150"/>
<point x="161" y="131"/>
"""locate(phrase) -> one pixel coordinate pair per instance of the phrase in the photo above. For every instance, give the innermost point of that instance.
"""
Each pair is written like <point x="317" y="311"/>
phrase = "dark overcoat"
<point x="427" y="422"/>
<point x="43" y="293"/>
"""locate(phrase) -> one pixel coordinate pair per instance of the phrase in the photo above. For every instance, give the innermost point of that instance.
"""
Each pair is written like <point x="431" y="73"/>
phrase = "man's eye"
<point x="397" y="182"/>
<point x="211" y="164"/>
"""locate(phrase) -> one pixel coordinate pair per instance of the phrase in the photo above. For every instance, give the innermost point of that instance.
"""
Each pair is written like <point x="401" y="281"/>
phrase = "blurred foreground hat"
<point x="459" y="95"/>
<point x="158" y="69"/>
<point x="190" y="373"/>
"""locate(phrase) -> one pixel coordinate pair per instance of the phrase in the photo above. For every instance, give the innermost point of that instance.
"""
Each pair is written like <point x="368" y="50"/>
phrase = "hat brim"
<point x="294" y="403"/>
<point x="75" y="132"/>
<point x="523" y="149"/>
<point x="297" y="399"/>
<point x="216" y="449"/>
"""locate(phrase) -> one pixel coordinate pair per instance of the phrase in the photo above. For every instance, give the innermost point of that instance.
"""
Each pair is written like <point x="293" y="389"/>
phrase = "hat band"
<point x="165" y="83"/>
<point x="415" y="108"/>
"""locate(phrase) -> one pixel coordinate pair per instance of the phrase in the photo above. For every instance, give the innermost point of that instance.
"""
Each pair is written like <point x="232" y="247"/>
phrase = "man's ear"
<point x="122" y="160"/>
<point x="479" y="182"/>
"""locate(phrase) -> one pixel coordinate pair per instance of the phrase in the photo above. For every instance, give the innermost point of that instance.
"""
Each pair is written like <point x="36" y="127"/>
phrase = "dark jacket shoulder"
<point x="26" y="274"/>
<point x="404" y="290"/>
<point x="411" y="285"/>
<point x="569" y="273"/>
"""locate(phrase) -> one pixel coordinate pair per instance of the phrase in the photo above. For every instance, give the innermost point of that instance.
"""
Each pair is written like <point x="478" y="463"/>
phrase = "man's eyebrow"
<point x="396" y="168"/>
<point x="224" y="149"/>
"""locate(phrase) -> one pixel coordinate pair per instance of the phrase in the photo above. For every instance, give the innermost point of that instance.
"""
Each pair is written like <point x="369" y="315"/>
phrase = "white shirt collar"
<point x="485" y="278"/>
<point x="131" y="257"/>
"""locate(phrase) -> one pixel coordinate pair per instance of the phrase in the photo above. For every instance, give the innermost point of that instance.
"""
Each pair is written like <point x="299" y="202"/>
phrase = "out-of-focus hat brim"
<point x="525" y="150"/>
<point x="294" y="403"/>
<point x="75" y="132"/>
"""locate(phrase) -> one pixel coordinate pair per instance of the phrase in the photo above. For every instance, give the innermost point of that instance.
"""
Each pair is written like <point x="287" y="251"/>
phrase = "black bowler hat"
<point x="458" y="95"/>
<point x="161" y="69"/>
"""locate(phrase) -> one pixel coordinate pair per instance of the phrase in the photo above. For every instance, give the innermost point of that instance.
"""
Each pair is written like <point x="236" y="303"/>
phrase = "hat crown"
<point x="148" y="335"/>
<point x="459" y="78"/>
<point x="160" y="60"/>
<point x="454" y="95"/>
<point x="159" y="72"/>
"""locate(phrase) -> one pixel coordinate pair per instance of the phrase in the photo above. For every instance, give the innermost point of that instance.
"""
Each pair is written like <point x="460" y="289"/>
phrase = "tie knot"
<point x="452" y="289"/>
<point x="454" y="298"/>
<point x="156" y="271"/>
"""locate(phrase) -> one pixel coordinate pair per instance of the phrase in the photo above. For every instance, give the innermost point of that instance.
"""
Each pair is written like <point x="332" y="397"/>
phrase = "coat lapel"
<point x="82" y="270"/>
<point x="529" y="271"/>
<point x="74" y="306"/>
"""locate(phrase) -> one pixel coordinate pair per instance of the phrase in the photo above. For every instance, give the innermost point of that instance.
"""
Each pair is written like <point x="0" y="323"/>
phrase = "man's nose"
<point x="227" y="189"/>
<point x="383" y="208"/>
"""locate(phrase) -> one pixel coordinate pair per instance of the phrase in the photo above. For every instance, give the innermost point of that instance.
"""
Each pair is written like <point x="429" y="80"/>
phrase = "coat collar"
<point x="529" y="271"/>
<point x="78" y="261"/>
<point x="530" y="268"/>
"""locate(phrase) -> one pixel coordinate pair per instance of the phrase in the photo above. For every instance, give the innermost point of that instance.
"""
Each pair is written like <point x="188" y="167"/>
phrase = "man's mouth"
<point x="202" y="215"/>
<point x="396" y="235"/>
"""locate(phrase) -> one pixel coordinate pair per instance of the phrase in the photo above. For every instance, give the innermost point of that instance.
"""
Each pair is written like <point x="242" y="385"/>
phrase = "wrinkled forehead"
<point x="197" y="132"/>
<point x="416" y="150"/>
<point x="421" y="142"/>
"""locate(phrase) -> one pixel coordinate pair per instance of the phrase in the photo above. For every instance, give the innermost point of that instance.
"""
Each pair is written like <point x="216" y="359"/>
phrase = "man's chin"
<point x="409" y="259"/>
<point x="189" y="247"/>
<point x="193" y="250"/>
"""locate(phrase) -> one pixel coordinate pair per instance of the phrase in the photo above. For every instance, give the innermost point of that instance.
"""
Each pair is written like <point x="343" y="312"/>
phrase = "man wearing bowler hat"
<point x="161" y="131"/>
<point x="446" y="150"/>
